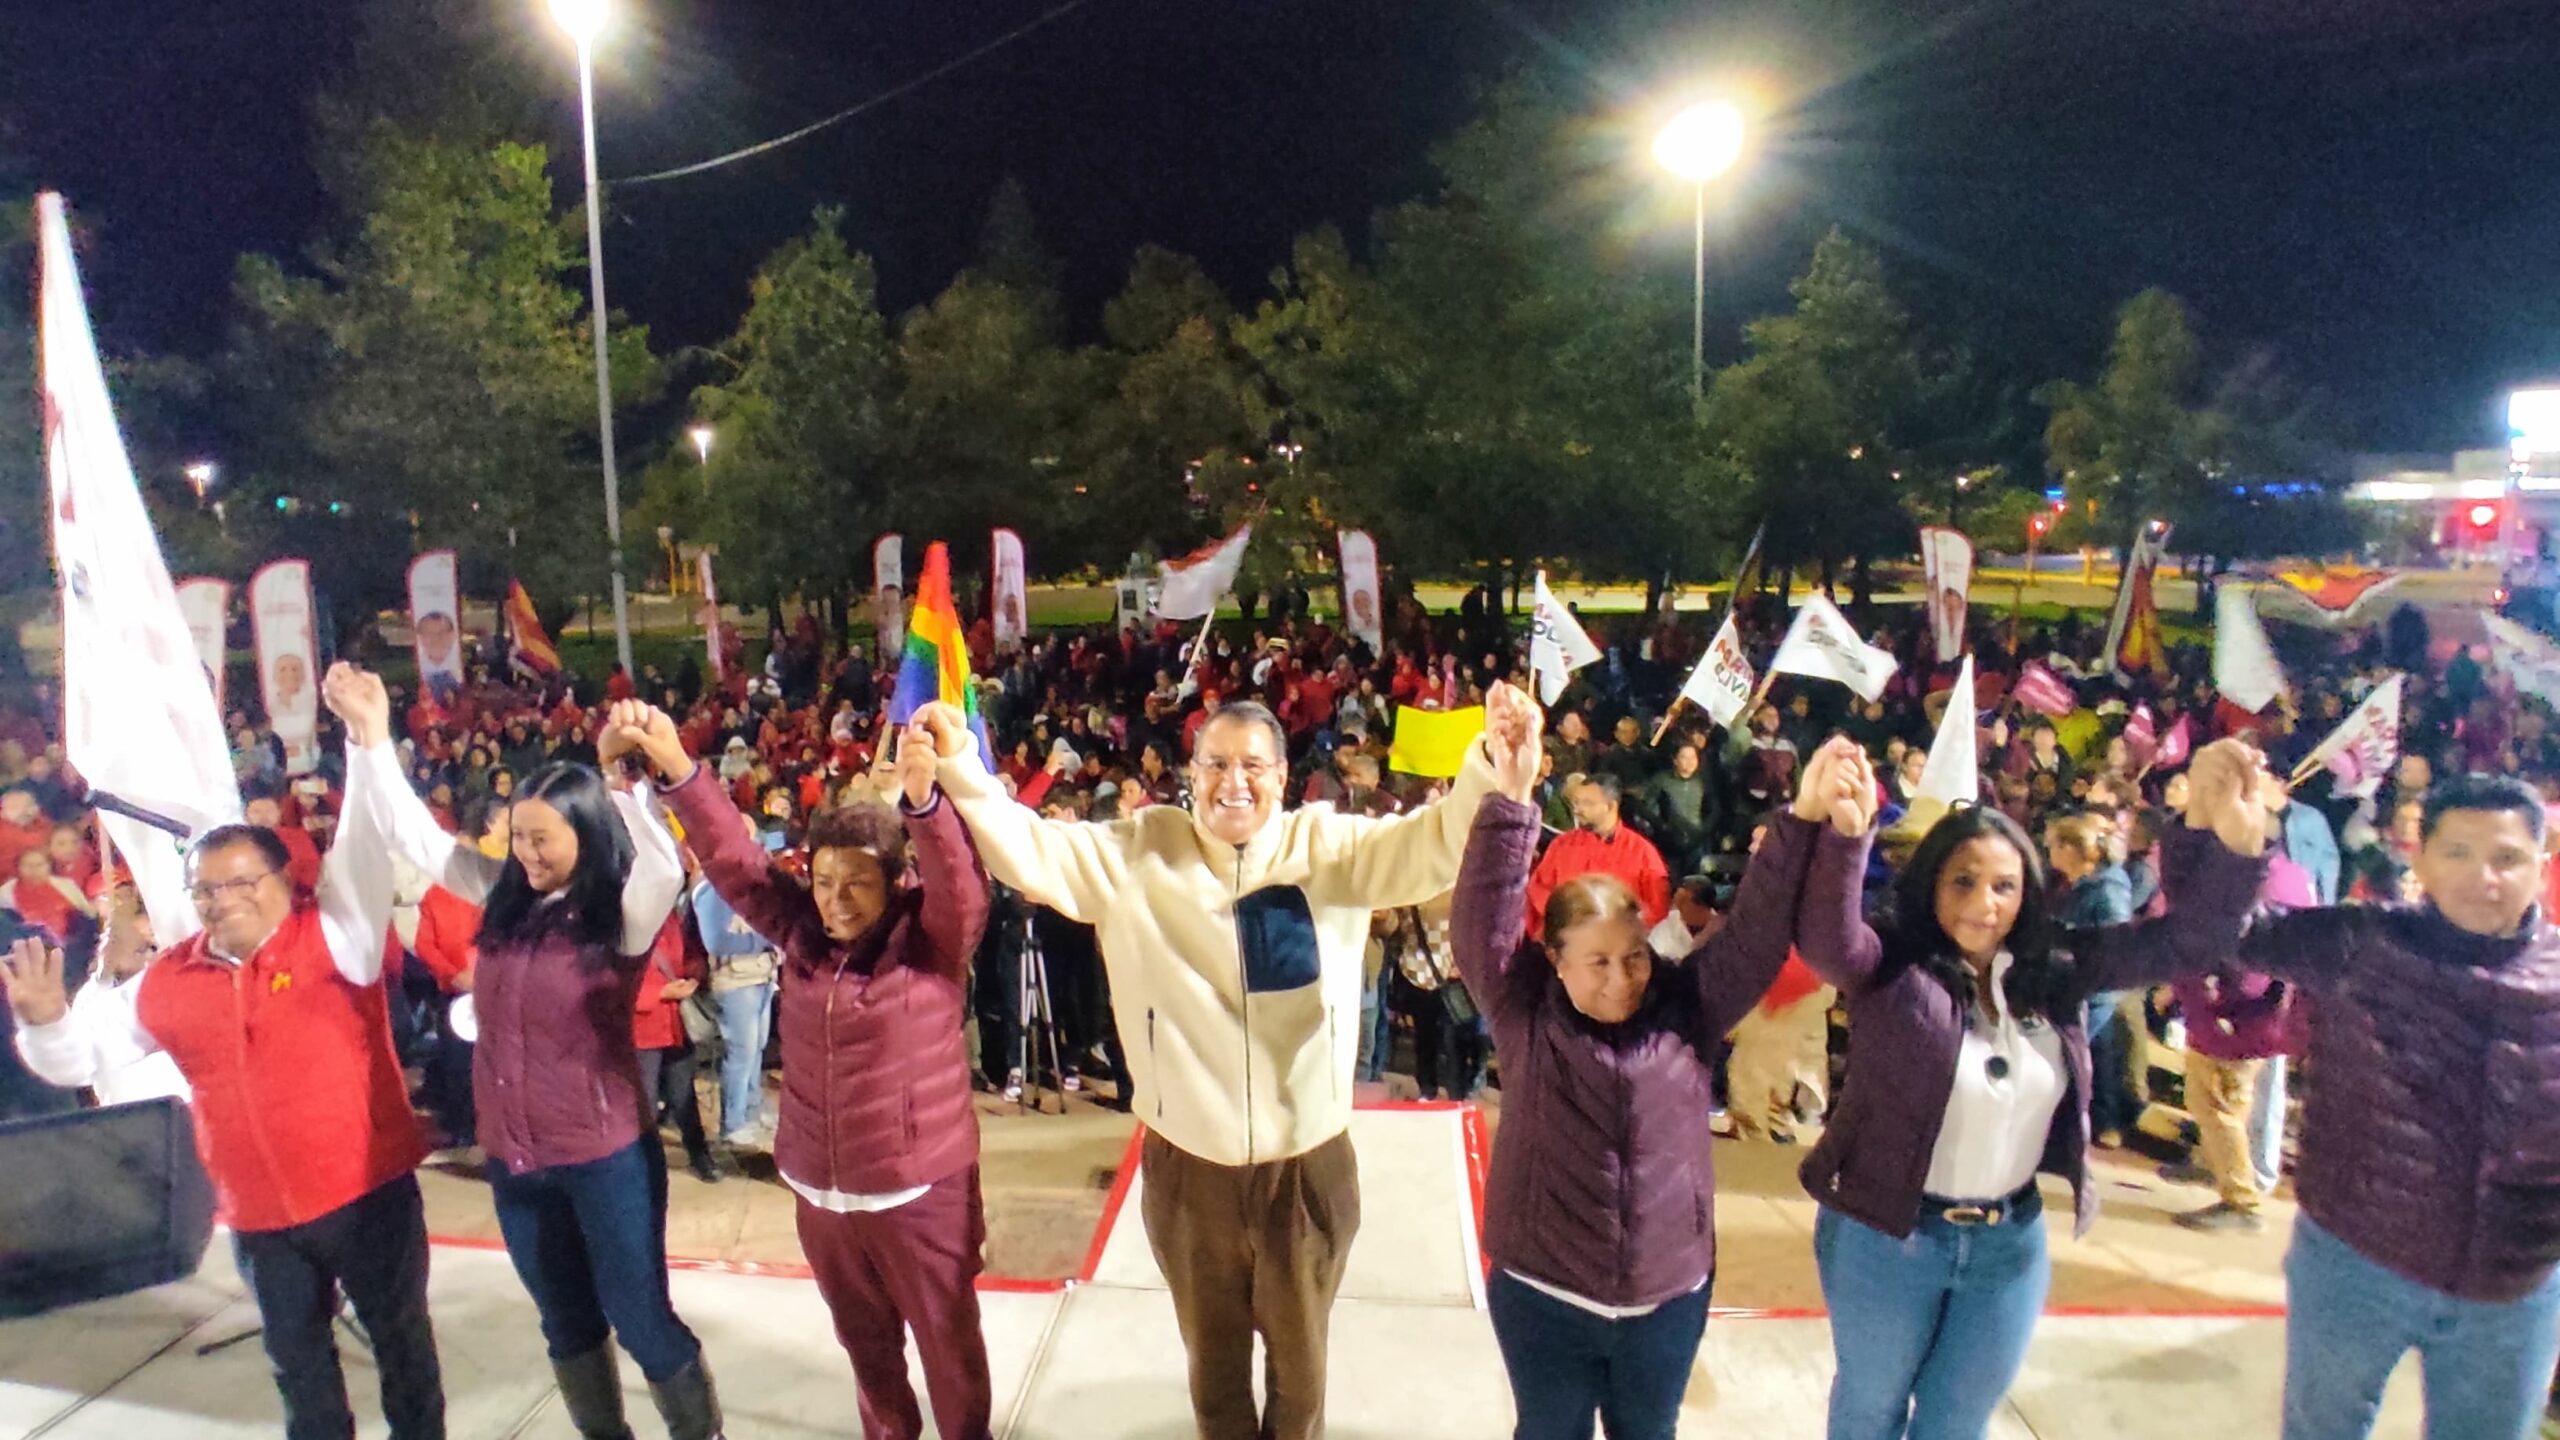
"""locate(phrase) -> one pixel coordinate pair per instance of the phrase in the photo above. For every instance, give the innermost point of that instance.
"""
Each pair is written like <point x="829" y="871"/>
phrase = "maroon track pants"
<point x="913" y="1267"/>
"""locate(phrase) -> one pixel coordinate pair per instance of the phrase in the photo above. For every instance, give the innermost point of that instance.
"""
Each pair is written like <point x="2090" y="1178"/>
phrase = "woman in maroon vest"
<point x="1599" y="1214"/>
<point x="1969" y="1074"/>
<point x="575" y="1165"/>
<point x="878" y="1136"/>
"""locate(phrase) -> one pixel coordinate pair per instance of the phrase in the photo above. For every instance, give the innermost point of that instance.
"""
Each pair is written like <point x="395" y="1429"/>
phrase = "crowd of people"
<point x="1193" y="848"/>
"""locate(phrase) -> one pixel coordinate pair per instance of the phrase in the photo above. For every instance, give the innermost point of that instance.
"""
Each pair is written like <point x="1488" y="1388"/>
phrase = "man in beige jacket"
<point x="1233" y="935"/>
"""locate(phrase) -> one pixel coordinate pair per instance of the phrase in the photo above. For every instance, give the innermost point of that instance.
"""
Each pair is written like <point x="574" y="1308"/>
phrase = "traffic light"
<point x="2037" y="525"/>
<point x="2483" y="518"/>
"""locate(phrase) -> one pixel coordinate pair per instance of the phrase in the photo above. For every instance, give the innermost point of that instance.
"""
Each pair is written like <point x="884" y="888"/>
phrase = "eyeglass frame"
<point x="204" y="895"/>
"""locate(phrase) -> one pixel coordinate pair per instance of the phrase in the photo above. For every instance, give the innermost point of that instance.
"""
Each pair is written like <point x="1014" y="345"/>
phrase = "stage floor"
<point x="1099" y="1358"/>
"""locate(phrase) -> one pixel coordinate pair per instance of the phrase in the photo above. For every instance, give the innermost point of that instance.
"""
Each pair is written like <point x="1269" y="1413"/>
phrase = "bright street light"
<point x="701" y="435"/>
<point x="200" y="475"/>
<point x="1701" y="143"/>
<point x="583" y="19"/>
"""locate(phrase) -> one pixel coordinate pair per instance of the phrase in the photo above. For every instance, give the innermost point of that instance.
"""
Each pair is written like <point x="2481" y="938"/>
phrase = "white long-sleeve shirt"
<point x="354" y="899"/>
<point x="649" y="894"/>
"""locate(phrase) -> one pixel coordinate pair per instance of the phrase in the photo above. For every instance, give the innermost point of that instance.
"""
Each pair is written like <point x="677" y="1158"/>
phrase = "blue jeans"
<point x="2114" y="1103"/>
<point x="2487" y="1367"/>
<point x="1568" y="1364"/>
<point x="1928" y="1332"/>
<point x="590" y="1243"/>
<point x="746" y="1019"/>
<point x="2266" y="1124"/>
<point x="1377" y="1030"/>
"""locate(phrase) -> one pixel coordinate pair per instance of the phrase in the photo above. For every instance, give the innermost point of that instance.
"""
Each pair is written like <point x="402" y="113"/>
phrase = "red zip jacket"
<point x="300" y="1106"/>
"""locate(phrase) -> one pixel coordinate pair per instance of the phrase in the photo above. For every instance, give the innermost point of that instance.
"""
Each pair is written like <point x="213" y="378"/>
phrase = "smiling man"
<point x="2430" y="1166"/>
<point x="1232" y="934"/>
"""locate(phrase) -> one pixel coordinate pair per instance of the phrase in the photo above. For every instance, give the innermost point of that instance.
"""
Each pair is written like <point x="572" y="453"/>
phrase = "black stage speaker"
<point x="99" y="1202"/>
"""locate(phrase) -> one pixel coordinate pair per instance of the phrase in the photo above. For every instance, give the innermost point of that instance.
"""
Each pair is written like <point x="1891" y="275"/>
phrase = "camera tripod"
<point x="1036" y="1022"/>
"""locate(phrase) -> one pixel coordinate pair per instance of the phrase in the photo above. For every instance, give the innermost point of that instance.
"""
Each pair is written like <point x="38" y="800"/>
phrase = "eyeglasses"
<point x="205" y="894"/>
<point x="1250" y="769"/>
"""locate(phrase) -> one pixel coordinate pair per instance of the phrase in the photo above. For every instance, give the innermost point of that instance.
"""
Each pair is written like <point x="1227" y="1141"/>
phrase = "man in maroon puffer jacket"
<point x="2430" y="1165"/>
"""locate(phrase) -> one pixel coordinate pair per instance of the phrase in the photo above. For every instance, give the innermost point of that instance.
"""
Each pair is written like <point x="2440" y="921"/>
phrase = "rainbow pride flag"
<point x="936" y="665"/>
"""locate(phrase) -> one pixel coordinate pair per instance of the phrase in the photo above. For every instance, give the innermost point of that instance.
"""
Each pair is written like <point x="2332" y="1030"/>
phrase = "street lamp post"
<point x="1701" y="143"/>
<point x="583" y="19"/>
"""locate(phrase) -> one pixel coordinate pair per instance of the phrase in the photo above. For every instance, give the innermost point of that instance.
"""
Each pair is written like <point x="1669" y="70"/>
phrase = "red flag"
<point x="2042" y="691"/>
<point x="534" y="653"/>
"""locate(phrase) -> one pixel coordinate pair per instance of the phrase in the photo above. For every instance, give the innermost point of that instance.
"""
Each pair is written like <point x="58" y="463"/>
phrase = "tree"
<point x="24" y="538"/>
<point x="1820" y="419"/>
<point x="431" y="378"/>
<point x="805" y="428"/>
<point x="2126" y="448"/>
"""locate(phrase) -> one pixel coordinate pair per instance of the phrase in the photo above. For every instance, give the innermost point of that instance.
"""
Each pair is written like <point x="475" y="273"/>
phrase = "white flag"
<point x="2362" y="750"/>
<point x="1013" y="594"/>
<point x="1361" y="614"/>
<point x="1721" y="685"/>
<point x="711" y="638"/>
<point x="1953" y="773"/>
<point x="1557" y="645"/>
<point x="1822" y="644"/>
<point x="139" y="721"/>
<point x="1194" y="584"/>
<point x="2244" y="664"/>
<point x="2532" y="660"/>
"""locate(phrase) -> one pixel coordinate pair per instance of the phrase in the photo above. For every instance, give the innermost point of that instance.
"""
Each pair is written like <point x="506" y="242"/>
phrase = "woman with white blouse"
<point x="1969" y="1074"/>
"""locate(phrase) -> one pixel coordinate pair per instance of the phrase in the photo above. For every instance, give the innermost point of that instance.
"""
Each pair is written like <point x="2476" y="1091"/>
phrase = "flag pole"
<point x="1732" y="605"/>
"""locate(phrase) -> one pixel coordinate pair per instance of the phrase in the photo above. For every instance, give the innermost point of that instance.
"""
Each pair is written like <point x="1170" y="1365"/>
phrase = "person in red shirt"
<point x="23" y="826"/>
<point x="44" y="899"/>
<point x="667" y="1063"/>
<point x="1600" y="843"/>
<point x="267" y="813"/>
<point x="73" y="859"/>
<point x="277" y="1017"/>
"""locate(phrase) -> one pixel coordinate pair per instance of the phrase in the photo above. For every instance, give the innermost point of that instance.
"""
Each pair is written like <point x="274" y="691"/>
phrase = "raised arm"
<point x="656" y="881"/>
<point x="62" y="1042"/>
<point x="1406" y="859"/>
<point x="1832" y="933"/>
<point x="355" y="890"/>
<point x="772" y="903"/>
<point x="1735" y="966"/>
<point x="401" y="822"/>
<point x="1487" y="918"/>
<point x="2210" y="869"/>
<point x="955" y="907"/>
<point x="1070" y="866"/>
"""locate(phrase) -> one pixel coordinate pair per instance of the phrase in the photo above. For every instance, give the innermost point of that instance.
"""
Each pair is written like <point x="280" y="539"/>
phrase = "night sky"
<point x="2370" y="189"/>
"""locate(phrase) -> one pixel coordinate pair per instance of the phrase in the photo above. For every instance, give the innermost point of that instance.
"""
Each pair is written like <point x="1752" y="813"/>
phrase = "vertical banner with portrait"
<point x="889" y="597"/>
<point x="1361" y="614"/>
<point x="287" y="638"/>
<point x="206" y="605"/>
<point x="1948" y="558"/>
<point x="435" y="624"/>
<point x="1012" y="590"/>
<point x="711" y="616"/>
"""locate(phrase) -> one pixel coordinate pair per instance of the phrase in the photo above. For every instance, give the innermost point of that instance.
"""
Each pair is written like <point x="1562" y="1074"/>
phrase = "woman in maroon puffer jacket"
<point x="878" y="1136"/>
<point x="1600" y="1213"/>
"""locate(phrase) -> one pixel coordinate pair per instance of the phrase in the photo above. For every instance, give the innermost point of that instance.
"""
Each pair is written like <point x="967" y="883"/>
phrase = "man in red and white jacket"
<point x="275" y="1014"/>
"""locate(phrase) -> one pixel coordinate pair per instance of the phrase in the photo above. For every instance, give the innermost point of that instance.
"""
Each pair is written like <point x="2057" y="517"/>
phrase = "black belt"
<point x="1977" y="1212"/>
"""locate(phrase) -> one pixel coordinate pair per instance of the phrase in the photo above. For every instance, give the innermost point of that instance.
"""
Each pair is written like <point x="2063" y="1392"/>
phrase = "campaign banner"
<point x="1558" y="645"/>
<point x="1823" y="644"/>
<point x="1947" y="556"/>
<point x="1361" y="612"/>
<point x="287" y="638"/>
<point x="711" y="616"/>
<point x="889" y="597"/>
<point x="435" y="624"/>
<point x="1012" y="590"/>
<point x="206" y="604"/>
<point x="1723" y="682"/>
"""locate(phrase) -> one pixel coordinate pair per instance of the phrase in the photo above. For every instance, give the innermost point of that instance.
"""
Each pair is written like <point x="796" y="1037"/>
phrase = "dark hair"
<point x="2479" y="792"/>
<point x="1701" y="888"/>
<point x="270" y="845"/>
<point x="1912" y="935"/>
<point x="593" y="896"/>
<point x="862" y="825"/>
<point x="1250" y="712"/>
<point x="1607" y="784"/>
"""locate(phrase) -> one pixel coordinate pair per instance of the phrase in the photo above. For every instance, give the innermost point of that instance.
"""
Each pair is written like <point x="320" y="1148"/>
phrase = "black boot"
<point x="591" y="1388"/>
<point x="687" y="1402"/>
